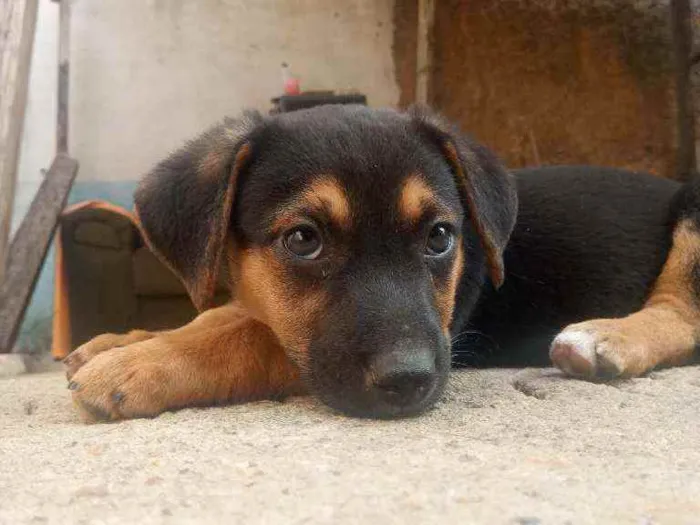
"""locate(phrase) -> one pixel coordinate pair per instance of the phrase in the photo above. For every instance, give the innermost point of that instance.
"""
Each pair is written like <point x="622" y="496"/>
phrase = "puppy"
<point x="369" y="249"/>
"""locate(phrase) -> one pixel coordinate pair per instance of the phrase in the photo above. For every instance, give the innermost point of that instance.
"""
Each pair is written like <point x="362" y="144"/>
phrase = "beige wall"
<point x="148" y="74"/>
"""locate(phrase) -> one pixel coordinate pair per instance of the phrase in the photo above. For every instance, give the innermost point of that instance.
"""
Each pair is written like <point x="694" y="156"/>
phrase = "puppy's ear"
<point x="184" y="204"/>
<point x="488" y="190"/>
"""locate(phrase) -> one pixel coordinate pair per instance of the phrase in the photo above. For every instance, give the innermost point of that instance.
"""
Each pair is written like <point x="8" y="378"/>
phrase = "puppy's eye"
<point x="440" y="240"/>
<point x="304" y="242"/>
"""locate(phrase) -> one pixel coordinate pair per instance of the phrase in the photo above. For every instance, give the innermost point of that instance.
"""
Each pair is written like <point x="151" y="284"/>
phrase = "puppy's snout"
<point x="403" y="378"/>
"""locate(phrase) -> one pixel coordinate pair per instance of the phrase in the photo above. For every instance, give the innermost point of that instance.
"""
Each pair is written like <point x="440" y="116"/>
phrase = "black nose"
<point x="405" y="387"/>
<point x="403" y="378"/>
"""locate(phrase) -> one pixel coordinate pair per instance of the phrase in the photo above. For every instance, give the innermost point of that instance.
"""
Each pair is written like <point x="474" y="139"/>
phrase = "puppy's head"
<point x="349" y="231"/>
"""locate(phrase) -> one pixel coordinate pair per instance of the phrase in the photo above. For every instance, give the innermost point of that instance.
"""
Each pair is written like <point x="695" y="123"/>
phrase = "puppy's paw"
<point x="83" y="354"/>
<point x="128" y="383"/>
<point x="601" y="348"/>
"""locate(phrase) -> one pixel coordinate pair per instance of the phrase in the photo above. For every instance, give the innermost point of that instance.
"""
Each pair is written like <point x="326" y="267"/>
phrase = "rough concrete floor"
<point x="504" y="446"/>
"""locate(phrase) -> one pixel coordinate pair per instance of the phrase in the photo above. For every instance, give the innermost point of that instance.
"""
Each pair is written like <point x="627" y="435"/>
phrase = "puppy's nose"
<point x="403" y="378"/>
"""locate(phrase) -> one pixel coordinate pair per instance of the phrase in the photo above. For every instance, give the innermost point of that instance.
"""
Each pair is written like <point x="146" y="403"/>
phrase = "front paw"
<point x="120" y="384"/>
<point x="97" y="345"/>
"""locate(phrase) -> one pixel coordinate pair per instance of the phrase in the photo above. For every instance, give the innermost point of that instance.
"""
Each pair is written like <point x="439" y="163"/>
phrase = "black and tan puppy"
<point x="368" y="249"/>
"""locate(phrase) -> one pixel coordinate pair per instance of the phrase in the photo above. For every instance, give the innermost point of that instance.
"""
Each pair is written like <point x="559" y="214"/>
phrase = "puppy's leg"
<point x="224" y="355"/>
<point x="664" y="332"/>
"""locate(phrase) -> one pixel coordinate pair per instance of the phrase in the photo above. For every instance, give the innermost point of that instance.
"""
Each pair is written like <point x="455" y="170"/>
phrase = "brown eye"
<point x="440" y="240"/>
<point x="304" y="242"/>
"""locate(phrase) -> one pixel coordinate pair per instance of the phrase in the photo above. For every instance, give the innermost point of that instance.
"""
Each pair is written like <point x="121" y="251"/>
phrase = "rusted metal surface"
<point x="545" y="82"/>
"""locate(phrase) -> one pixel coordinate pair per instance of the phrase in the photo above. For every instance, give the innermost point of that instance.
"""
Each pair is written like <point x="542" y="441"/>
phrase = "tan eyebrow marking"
<point x="325" y="195"/>
<point x="416" y="197"/>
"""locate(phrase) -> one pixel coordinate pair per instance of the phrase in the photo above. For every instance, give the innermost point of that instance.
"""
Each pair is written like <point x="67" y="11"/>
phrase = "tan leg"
<point x="663" y="333"/>
<point x="224" y="355"/>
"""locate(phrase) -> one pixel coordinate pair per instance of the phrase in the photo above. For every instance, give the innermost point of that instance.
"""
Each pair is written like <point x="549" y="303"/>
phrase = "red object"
<point x="291" y="86"/>
<point x="290" y="83"/>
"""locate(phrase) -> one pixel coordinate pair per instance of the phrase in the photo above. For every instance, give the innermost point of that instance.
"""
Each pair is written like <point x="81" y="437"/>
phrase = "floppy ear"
<point x="184" y="204"/>
<point x="488" y="190"/>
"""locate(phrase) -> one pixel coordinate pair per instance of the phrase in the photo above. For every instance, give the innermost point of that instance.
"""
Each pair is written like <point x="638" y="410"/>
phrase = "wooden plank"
<point x="63" y="77"/>
<point x="30" y="245"/>
<point x="424" y="50"/>
<point x="17" y="26"/>
<point x="686" y="163"/>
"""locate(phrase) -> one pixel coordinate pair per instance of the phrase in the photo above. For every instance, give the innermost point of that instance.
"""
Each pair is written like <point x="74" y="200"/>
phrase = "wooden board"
<point x="29" y="247"/>
<point x="17" y="25"/>
<point x="681" y="23"/>
<point x="424" y="51"/>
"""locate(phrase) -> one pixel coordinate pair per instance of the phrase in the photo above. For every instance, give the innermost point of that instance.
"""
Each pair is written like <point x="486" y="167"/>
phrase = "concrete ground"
<point x="522" y="447"/>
